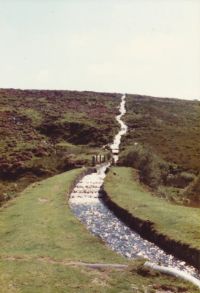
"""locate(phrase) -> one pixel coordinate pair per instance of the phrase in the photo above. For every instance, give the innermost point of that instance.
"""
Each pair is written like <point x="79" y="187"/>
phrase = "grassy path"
<point x="178" y="222"/>
<point x="44" y="248"/>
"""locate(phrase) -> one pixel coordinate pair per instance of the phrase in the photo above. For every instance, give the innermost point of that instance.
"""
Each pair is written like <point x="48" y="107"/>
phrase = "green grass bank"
<point x="176" y="222"/>
<point x="41" y="243"/>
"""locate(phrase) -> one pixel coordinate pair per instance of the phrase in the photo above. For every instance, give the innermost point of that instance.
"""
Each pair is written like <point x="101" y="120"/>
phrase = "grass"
<point x="32" y="114"/>
<point x="35" y="224"/>
<point x="177" y="222"/>
<point x="39" y="236"/>
<point x="80" y="153"/>
<point x="34" y="277"/>
<point x="74" y="117"/>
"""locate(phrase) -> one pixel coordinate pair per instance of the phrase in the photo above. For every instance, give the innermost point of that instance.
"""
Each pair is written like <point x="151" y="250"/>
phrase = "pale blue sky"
<point x="145" y="46"/>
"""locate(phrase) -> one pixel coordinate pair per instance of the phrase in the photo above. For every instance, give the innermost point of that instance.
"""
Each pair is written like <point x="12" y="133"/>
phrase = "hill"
<point x="45" y="132"/>
<point x="163" y="142"/>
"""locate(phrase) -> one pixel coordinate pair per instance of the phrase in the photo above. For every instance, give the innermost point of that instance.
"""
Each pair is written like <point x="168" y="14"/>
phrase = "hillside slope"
<point x="163" y="142"/>
<point x="45" y="132"/>
<point x="170" y="127"/>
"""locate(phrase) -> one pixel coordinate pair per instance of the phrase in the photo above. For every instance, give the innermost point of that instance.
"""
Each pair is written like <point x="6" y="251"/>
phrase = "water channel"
<point x="86" y="203"/>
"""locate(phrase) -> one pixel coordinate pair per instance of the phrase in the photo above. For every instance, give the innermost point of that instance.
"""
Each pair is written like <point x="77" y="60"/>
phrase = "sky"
<point x="147" y="47"/>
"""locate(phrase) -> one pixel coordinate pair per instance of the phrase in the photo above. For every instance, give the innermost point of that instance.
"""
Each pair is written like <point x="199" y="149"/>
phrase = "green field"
<point x="42" y="244"/>
<point x="177" y="222"/>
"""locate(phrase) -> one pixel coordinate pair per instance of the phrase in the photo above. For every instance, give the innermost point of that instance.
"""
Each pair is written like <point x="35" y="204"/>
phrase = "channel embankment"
<point x="147" y="230"/>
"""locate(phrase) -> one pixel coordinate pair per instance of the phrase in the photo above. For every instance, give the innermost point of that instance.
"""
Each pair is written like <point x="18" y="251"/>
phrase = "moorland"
<point x="46" y="138"/>
<point x="43" y="133"/>
<point x="163" y="143"/>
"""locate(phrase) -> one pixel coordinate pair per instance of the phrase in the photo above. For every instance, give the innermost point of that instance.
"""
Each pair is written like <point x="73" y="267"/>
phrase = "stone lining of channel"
<point x="85" y="171"/>
<point x="147" y="231"/>
<point x="144" y="228"/>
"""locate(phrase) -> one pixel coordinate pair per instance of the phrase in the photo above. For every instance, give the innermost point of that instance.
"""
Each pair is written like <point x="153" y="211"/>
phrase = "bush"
<point x="193" y="190"/>
<point x="153" y="171"/>
<point x="180" y="180"/>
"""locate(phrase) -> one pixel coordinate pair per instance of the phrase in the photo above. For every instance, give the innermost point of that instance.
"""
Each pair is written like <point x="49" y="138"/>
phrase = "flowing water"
<point x="123" y="130"/>
<point x="85" y="201"/>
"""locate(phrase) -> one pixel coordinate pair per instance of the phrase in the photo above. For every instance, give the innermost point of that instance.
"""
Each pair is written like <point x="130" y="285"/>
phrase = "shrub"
<point x="153" y="171"/>
<point x="193" y="190"/>
<point x="180" y="180"/>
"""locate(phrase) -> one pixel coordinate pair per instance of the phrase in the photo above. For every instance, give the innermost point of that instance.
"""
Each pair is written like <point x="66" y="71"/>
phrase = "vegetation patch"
<point x="41" y="244"/>
<point x="167" y="132"/>
<point x="165" y="179"/>
<point x="35" y="123"/>
<point x="176" y="222"/>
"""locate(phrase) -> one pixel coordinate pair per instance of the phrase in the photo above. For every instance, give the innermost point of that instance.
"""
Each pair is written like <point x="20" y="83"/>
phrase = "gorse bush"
<point x="168" y="180"/>
<point x="152" y="170"/>
<point x="180" y="180"/>
<point x="193" y="190"/>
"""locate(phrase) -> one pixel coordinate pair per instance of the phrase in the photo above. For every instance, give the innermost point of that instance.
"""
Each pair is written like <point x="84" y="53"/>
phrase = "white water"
<point x="85" y="201"/>
<point x="87" y="190"/>
<point x="123" y="130"/>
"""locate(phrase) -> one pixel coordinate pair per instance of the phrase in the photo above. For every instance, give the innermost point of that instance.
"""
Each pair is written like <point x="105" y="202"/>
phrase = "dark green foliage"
<point x="180" y="180"/>
<point x="193" y="191"/>
<point x="152" y="170"/>
<point x="168" y="181"/>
